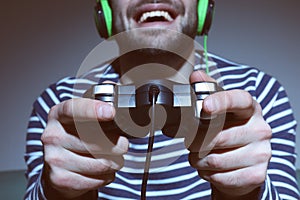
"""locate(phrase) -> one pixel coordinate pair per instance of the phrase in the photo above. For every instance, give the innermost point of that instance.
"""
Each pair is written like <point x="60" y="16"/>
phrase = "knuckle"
<point x="104" y="180"/>
<point x="114" y="163"/>
<point x="258" y="107"/>
<point x="67" y="107"/>
<point x="266" y="156"/>
<point x="223" y="139"/>
<point x="249" y="100"/>
<point x="120" y="150"/>
<point x="48" y="137"/>
<point x="104" y="166"/>
<point x="213" y="161"/>
<point x="60" y="180"/>
<point x="266" y="152"/>
<point x="266" y="131"/>
<point x="193" y="159"/>
<point x="45" y="136"/>
<point x="219" y="180"/>
<point x="53" y="160"/>
<point x="110" y="179"/>
<point x="122" y="146"/>
<point x="258" y="177"/>
<point x="119" y="164"/>
<point x="54" y="110"/>
<point x="123" y="151"/>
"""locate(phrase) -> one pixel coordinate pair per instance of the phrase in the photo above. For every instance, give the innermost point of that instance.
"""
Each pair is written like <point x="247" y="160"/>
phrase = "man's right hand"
<point x="78" y="156"/>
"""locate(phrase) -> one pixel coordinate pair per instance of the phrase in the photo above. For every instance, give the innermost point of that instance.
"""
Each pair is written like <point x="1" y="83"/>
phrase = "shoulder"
<point x="71" y="87"/>
<point x="263" y="87"/>
<point x="74" y="86"/>
<point x="234" y="75"/>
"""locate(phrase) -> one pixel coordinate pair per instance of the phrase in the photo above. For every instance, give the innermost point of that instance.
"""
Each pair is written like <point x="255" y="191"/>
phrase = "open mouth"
<point x="155" y="16"/>
<point x="160" y="13"/>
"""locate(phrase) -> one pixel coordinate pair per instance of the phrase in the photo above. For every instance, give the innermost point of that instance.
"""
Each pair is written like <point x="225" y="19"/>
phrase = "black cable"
<point x="153" y="94"/>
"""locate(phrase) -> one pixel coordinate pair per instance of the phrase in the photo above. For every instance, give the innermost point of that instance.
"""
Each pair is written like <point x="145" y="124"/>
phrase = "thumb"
<point x="199" y="76"/>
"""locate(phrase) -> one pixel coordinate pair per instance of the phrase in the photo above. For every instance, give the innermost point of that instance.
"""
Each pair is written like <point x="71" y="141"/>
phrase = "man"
<point x="250" y="155"/>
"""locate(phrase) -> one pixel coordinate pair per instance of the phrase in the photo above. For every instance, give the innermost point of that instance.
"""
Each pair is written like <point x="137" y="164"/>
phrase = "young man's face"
<point x="158" y="17"/>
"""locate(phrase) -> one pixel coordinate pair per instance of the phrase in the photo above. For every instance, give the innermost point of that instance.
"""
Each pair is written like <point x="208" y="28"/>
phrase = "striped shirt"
<point x="171" y="176"/>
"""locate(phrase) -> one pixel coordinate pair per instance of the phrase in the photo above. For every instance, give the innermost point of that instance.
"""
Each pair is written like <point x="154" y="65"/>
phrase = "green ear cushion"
<point x="107" y="15"/>
<point x="202" y="12"/>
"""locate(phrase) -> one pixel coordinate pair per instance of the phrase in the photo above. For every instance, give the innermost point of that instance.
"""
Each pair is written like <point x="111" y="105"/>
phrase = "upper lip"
<point x="146" y="11"/>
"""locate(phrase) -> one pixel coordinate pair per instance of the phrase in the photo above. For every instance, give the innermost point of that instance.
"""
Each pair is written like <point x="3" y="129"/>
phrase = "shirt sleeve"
<point x="34" y="157"/>
<point x="64" y="89"/>
<point x="34" y="147"/>
<point x="281" y="180"/>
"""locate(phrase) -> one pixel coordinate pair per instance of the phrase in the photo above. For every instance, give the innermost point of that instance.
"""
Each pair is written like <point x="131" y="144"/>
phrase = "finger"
<point x="68" y="181"/>
<point x="233" y="159"/>
<point x="198" y="76"/>
<point x="254" y="130"/>
<point x="81" y="109"/>
<point x="239" y="103"/>
<point x="88" y="143"/>
<point x="204" y="140"/>
<point x="239" y="181"/>
<point x="85" y="165"/>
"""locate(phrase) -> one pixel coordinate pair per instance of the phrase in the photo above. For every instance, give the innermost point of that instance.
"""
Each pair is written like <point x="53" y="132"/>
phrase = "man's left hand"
<point x="237" y="162"/>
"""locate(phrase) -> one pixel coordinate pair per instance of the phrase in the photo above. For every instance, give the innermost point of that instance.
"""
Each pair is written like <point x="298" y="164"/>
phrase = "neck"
<point x="145" y="65"/>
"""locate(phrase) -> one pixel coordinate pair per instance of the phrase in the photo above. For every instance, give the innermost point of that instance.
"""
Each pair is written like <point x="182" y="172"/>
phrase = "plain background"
<point x="43" y="41"/>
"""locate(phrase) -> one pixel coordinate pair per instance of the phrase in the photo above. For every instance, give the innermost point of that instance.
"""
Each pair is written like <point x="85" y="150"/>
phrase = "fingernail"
<point x="105" y="112"/>
<point x="208" y="105"/>
<point x="209" y="108"/>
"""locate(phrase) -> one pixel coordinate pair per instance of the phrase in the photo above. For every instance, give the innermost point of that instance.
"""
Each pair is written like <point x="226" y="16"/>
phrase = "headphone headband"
<point x="103" y="17"/>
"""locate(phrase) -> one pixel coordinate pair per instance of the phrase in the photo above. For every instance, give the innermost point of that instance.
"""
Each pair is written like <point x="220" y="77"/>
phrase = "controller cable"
<point x="153" y="95"/>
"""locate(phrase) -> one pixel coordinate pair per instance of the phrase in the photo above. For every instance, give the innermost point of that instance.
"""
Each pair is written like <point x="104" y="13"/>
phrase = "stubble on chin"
<point x="153" y="38"/>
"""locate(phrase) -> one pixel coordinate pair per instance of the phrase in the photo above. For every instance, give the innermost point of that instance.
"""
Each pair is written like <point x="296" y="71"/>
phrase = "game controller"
<point x="177" y="106"/>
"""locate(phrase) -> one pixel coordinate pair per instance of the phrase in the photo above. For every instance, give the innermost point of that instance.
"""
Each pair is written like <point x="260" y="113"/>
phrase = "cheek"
<point x="119" y="8"/>
<point x="119" y="21"/>
<point x="190" y="22"/>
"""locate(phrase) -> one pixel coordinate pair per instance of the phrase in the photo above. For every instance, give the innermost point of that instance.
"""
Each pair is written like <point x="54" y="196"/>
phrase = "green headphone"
<point x="103" y="17"/>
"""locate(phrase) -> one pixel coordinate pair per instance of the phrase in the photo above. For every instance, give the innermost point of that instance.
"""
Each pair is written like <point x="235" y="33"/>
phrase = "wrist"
<point x="216" y="194"/>
<point x="52" y="193"/>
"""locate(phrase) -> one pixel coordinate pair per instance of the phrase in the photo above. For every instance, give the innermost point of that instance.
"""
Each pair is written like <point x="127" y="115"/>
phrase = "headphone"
<point x="103" y="17"/>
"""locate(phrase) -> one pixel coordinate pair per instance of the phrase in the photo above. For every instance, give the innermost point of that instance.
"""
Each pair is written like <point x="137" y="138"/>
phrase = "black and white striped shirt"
<point x="171" y="176"/>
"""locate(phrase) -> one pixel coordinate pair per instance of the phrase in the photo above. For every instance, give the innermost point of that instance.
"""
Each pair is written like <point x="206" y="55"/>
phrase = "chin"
<point x="156" y="38"/>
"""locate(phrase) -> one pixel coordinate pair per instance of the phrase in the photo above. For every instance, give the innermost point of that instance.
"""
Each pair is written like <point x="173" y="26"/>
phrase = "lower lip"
<point x="157" y="24"/>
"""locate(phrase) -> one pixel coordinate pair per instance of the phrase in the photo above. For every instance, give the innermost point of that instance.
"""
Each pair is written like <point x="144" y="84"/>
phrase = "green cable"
<point x="205" y="53"/>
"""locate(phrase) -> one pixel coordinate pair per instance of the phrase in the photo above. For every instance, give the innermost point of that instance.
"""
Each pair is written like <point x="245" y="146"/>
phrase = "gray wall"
<point x="42" y="41"/>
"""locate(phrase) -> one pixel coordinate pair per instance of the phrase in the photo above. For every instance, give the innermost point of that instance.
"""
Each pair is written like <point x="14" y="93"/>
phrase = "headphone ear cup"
<point x="103" y="18"/>
<point x="205" y="16"/>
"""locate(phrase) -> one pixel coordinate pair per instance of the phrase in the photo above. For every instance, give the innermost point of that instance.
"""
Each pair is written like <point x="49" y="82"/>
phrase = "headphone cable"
<point x="205" y="53"/>
<point x="153" y="94"/>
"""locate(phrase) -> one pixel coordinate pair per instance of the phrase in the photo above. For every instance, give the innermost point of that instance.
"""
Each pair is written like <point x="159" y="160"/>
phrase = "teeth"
<point x="158" y="13"/>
